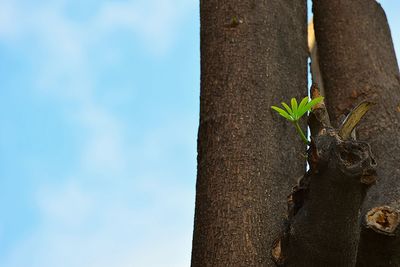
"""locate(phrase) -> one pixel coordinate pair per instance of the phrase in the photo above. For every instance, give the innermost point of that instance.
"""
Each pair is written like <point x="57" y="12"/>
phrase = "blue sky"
<point x="99" y="113"/>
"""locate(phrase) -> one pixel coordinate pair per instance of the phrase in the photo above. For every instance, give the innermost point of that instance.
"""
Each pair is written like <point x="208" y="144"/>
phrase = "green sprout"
<point x="294" y="113"/>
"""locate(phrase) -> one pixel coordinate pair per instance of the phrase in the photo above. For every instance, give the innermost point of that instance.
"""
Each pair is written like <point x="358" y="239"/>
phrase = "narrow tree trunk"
<point x="324" y="207"/>
<point x="357" y="62"/>
<point x="253" y="55"/>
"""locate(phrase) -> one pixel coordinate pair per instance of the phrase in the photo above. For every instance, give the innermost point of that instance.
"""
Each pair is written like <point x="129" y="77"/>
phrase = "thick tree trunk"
<point x="357" y="62"/>
<point x="253" y="55"/>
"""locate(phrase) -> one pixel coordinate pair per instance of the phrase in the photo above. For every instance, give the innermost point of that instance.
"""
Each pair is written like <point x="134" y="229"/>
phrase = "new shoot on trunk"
<point x="296" y="111"/>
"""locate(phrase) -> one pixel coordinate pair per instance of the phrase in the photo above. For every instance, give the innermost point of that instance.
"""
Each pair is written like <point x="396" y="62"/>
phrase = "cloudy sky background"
<point x="99" y="113"/>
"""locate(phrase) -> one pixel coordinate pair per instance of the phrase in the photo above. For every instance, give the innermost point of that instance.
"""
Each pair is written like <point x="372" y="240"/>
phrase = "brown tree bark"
<point x="358" y="62"/>
<point x="322" y="227"/>
<point x="253" y="55"/>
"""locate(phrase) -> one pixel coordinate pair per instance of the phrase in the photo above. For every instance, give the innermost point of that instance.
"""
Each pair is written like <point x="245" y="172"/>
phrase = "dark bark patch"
<point x="234" y="22"/>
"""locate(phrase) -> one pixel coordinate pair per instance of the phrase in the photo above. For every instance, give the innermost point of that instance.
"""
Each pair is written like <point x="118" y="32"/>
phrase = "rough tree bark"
<point x="253" y="55"/>
<point x="358" y="62"/>
<point x="322" y="227"/>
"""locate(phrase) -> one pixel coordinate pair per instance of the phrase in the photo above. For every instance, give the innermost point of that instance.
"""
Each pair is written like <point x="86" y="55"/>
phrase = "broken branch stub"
<point x="383" y="220"/>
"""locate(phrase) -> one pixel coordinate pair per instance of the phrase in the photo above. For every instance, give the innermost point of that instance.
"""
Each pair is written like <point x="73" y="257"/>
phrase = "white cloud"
<point x="124" y="220"/>
<point x="8" y="20"/>
<point x="79" y="226"/>
<point x="156" y="21"/>
<point x="104" y="151"/>
<point x="65" y="71"/>
<point x="153" y="22"/>
<point x="66" y="205"/>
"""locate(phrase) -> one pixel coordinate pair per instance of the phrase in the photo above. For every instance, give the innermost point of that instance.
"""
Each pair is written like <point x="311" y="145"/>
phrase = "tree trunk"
<point x="253" y="55"/>
<point x="358" y="62"/>
<point x="322" y="227"/>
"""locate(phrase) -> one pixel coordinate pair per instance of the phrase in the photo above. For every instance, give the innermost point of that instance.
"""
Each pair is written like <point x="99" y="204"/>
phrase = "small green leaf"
<point x="301" y="111"/>
<point x="283" y="113"/>
<point x="310" y="104"/>
<point x="314" y="102"/>
<point x="302" y="104"/>
<point x="287" y="108"/>
<point x="294" y="107"/>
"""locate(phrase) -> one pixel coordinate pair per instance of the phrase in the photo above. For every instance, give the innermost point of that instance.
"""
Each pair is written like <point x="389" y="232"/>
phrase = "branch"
<point x="322" y="226"/>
